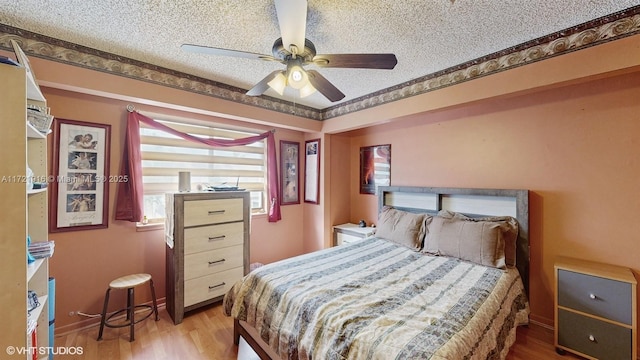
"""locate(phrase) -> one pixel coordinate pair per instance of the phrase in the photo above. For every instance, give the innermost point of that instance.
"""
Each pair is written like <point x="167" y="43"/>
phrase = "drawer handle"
<point x="592" y="338"/>
<point x="592" y="296"/>
<point x="211" y="287"/>
<point x="215" y="212"/>
<point x="216" y="261"/>
<point x="219" y="237"/>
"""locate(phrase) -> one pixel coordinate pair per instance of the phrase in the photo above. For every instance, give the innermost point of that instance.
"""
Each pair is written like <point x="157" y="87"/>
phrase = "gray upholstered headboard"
<point x="471" y="202"/>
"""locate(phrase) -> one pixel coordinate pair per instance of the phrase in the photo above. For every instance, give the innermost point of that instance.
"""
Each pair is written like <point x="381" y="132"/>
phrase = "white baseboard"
<point x="91" y="322"/>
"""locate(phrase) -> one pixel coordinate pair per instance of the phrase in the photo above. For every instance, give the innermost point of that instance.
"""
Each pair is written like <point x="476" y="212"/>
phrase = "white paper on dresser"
<point x="168" y="220"/>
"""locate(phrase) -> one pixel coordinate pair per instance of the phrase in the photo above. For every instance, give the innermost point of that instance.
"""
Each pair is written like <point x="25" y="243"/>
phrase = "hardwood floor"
<point x="536" y="342"/>
<point x="204" y="334"/>
<point x="208" y="334"/>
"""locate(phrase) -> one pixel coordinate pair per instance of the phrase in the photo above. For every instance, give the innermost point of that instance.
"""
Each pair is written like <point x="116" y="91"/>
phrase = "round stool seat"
<point x="129" y="281"/>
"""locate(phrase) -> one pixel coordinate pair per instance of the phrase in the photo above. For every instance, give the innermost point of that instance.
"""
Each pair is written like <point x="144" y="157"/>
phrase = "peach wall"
<point x="86" y="261"/>
<point x="576" y="148"/>
<point x="340" y="190"/>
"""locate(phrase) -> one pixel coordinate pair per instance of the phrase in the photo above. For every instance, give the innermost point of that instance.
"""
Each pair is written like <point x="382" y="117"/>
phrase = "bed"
<point x="445" y="277"/>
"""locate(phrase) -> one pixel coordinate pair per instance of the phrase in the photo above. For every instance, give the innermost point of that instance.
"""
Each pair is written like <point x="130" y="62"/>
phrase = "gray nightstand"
<point x="346" y="233"/>
<point x="595" y="309"/>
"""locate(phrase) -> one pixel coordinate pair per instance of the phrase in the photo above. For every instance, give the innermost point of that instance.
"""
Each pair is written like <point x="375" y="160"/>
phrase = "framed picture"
<point x="312" y="171"/>
<point x="375" y="168"/>
<point x="80" y="188"/>
<point x="289" y="172"/>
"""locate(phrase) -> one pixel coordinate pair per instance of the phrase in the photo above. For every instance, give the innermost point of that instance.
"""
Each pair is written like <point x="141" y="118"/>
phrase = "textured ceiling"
<point x="426" y="36"/>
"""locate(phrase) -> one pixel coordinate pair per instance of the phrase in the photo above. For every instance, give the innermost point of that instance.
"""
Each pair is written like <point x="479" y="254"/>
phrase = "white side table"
<point x="346" y="233"/>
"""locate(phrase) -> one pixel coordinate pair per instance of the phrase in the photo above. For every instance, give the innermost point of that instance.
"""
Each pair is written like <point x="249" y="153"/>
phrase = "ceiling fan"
<point x="295" y="51"/>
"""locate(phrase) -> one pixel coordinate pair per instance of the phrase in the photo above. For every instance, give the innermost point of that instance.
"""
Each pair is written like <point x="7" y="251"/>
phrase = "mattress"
<point x="374" y="299"/>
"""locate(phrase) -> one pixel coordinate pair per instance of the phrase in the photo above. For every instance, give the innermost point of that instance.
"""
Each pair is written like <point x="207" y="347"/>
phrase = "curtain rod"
<point x="131" y="108"/>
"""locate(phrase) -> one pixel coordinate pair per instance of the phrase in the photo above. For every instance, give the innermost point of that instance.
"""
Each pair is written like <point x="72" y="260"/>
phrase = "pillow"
<point x="509" y="227"/>
<point x="401" y="227"/>
<point x="477" y="240"/>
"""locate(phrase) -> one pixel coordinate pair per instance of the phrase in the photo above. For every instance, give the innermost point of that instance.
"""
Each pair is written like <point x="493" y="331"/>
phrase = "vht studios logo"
<point x="44" y="350"/>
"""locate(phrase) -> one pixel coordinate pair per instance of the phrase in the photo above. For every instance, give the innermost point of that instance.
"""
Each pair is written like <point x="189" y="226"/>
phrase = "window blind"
<point x="165" y="155"/>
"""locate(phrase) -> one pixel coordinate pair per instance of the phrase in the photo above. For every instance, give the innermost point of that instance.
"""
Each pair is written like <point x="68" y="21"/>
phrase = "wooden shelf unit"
<point x="24" y="211"/>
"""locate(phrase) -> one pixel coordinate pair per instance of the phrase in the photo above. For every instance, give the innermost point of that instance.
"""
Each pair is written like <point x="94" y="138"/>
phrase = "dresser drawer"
<point x="203" y="212"/>
<point x="593" y="337"/>
<point x="602" y="297"/>
<point x="212" y="237"/>
<point x="212" y="261"/>
<point x="211" y="286"/>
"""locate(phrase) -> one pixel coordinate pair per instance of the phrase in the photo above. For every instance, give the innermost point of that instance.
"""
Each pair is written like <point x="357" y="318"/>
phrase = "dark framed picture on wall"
<point x="312" y="171"/>
<point x="289" y="172"/>
<point x="375" y="168"/>
<point x="80" y="188"/>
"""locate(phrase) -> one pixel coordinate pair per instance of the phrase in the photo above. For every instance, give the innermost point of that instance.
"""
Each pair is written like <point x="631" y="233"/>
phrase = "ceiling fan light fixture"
<point x="307" y="90"/>
<point x="278" y="83"/>
<point x="297" y="78"/>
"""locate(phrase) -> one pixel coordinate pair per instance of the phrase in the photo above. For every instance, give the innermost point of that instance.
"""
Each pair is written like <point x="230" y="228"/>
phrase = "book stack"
<point x="42" y="249"/>
<point x="40" y="118"/>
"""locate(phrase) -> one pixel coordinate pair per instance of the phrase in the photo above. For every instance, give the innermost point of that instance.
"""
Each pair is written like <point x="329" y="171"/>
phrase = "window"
<point x="164" y="155"/>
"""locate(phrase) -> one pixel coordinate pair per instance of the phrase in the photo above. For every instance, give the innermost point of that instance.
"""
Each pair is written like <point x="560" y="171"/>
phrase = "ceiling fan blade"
<point x="324" y="86"/>
<point x="292" y="18"/>
<point x="225" y="52"/>
<point x="263" y="85"/>
<point x="362" y="61"/>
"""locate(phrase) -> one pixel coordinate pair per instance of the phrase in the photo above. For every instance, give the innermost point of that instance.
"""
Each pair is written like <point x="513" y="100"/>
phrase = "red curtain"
<point x="130" y="202"/>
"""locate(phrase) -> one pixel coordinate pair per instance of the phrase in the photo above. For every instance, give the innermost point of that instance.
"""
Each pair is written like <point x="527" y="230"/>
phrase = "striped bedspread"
<point x="373" y="299"/>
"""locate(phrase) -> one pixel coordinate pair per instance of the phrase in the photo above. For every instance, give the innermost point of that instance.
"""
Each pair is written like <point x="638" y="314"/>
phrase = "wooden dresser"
<point x="210" y="249"/>
<point x="595" y="309"/>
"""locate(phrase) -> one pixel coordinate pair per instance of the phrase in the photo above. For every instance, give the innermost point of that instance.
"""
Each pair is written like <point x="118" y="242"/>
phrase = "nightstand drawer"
<point x="344" y="238"/>
<point x="203" y="212"/>
<point x="210" y="262"/>
<point x="212" y="237"/>
<point x="606" y="298"/>
<point x="593" y="337"/>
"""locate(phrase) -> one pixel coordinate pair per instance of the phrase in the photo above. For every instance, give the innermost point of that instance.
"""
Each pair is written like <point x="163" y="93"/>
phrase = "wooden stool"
<point x="128" y="282"/>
